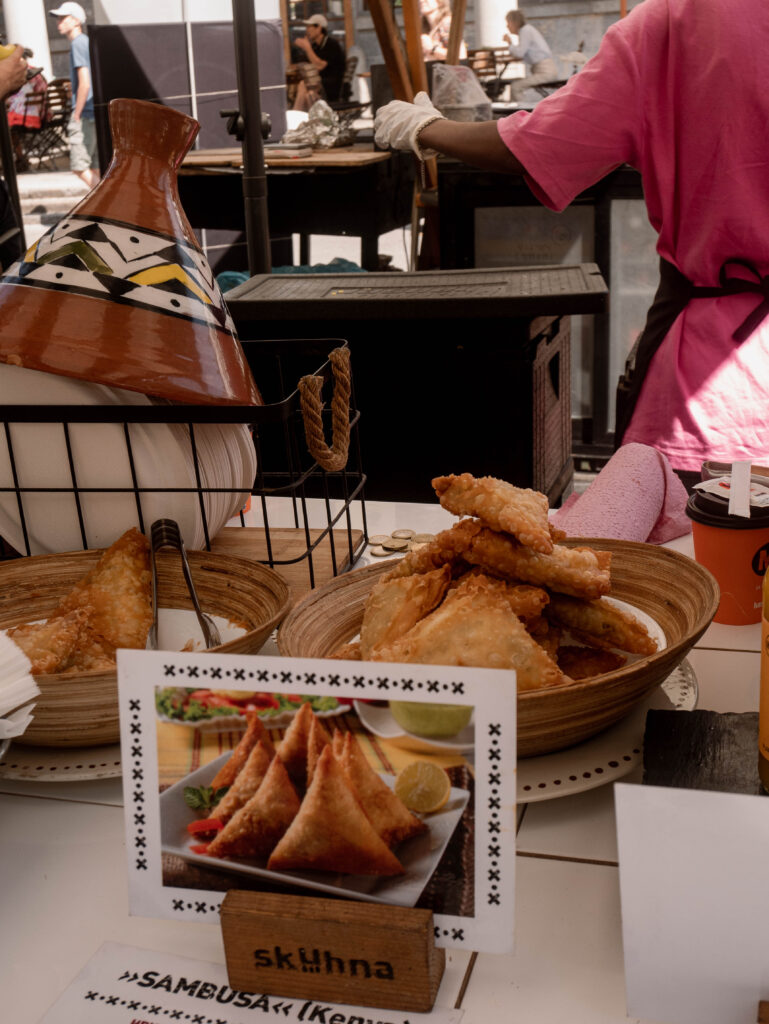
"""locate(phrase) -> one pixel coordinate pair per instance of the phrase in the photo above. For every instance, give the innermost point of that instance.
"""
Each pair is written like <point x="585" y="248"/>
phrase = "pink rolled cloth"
<point x="636" y="496"/>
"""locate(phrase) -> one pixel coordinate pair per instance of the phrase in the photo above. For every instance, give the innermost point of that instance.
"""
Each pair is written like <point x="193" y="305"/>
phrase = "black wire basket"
<point x="324" y="509"/>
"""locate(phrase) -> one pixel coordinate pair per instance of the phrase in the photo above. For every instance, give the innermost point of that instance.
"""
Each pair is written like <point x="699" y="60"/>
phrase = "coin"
<point x="424" y="538"/>
<point x="378" y="552"/>
<point x="402" y="534"/>
<point x="378" y="538"/>
<point x="394" y="544"/>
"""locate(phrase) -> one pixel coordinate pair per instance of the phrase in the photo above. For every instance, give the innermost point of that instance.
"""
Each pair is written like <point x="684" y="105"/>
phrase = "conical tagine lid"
<point x="119" y="292"/>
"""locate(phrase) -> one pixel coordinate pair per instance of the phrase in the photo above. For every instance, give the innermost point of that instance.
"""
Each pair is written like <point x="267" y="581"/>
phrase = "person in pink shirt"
<point x="675" y="96"/>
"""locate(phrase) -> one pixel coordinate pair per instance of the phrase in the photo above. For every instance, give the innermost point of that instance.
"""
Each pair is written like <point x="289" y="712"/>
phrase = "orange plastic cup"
<point x="736" y="550"/>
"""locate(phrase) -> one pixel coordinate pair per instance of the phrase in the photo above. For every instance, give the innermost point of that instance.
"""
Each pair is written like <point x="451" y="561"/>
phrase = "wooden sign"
<point x="343" y="952"/>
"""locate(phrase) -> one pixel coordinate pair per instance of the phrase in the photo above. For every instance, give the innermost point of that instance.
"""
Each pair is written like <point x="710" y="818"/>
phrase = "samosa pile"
<point x="109" y="608"/>
<point x="314" y="804"/>
<point x="498" y="590"/>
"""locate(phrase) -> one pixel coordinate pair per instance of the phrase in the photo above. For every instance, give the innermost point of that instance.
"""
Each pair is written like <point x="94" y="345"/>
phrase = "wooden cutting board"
<point x="302" y="572"/>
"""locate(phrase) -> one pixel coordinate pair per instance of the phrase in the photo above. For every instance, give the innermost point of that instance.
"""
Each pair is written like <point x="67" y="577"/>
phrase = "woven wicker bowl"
<point x="82" y="710"/>
<point x="680" y="595"/>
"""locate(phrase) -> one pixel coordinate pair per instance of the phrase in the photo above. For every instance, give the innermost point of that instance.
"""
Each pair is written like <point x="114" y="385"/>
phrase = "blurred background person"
<point x="81" y="130"/>
<point x="532" y="49"/>
<point x="437" y="16"/>
<point x="13" y="75"/>
<point x="431" y="49"/>
<point x="326" y="55"/>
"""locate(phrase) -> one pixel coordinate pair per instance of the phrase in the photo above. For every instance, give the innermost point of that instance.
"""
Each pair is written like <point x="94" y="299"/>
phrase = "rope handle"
<point x="310" y="394"/>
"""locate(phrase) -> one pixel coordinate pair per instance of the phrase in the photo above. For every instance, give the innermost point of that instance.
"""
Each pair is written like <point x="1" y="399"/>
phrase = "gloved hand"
<point x="398" y="124"/>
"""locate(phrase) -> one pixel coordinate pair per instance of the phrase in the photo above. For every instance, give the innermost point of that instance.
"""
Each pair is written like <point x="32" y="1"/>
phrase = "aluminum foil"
<point x="323" y="129"/>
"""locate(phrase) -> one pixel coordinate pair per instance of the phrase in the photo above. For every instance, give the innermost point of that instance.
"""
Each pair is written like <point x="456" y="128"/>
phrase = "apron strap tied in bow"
<point x="736" y="285"/>
<point x="673" y="294"/>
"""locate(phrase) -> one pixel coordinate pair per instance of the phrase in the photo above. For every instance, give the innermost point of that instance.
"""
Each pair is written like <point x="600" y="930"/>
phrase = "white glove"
<point x="398" y="124"/>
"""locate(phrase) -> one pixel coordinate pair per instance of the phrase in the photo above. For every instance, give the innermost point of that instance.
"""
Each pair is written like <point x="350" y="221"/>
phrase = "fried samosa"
<point x="246" y="783"/>
<point x="257" y="827"/>
<point x="601" y="624"/>
<point x="392" y="820"/>
<point x="500" y="506"/>
<point x="337" y="743"/>
<point x="446" y="548"/>
<point x="119" y="591"/>
<point x="292" y="749"/>
<point x="255" y="731"/>
<point x="525" y="601"/>
<point x="331" y="832"/>
<point x="580" y="572"/>
<point x="50" y="645"/>
<point x="475" y="627"/>
<point x="317" y="739"/>
<point x="394" y="606"/>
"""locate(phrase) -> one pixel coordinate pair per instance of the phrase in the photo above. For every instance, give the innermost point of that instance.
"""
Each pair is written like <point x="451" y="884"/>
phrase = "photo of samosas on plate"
<point x="499" y="590"/>
<point x="319" y="806"/>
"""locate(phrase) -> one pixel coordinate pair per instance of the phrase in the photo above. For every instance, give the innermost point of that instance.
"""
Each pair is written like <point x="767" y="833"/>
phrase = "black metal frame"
<point x="284" y="467"/>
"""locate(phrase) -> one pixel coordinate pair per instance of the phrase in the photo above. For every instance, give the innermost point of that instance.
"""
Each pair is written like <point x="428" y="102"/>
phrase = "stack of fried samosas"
<point x="498" y="590"/>
<point x="110" y="607"/>
<point x="314" y="804"/>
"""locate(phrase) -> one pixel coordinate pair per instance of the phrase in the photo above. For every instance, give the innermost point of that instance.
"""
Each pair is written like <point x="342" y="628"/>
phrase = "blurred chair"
<point x="345" y="93"/>
<point x="50" y="140"/>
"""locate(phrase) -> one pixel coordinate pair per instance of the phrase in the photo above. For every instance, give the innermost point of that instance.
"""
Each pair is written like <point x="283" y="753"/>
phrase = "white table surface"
<point x="63" y="884"/>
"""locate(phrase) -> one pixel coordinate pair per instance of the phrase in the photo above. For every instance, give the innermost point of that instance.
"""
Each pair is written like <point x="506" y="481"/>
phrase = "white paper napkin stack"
<point x="17" y="689"/>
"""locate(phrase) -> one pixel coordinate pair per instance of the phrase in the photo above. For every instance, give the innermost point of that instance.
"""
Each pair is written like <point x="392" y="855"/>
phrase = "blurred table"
<point x="350" y="190"/>
<point x="62" y="860"/>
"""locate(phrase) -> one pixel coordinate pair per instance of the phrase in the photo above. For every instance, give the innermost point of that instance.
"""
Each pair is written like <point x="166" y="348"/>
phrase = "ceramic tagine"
<point x="119" y="292"/>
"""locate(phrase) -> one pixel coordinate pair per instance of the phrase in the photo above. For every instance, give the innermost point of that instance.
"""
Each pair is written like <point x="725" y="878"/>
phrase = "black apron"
<point x="673" y="295"/>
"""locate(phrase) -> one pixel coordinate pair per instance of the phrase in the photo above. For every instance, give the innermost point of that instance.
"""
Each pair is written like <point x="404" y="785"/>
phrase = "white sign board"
<point x="694" y="882"/>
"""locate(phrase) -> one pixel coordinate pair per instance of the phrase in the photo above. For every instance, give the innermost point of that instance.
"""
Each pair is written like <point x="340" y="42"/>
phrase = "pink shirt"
<point x="678" y="91"/>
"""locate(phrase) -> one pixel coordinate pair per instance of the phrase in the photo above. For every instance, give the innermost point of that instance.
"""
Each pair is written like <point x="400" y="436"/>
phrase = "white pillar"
<point x="490" y="21"/>
<point x="25" y="24"/>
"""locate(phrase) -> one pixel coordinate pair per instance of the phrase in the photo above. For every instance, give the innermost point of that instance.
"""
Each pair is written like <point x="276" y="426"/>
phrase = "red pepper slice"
<point x="260" y="701"/>
<point x="204" y="826"/>
<point x="201" y="848"/>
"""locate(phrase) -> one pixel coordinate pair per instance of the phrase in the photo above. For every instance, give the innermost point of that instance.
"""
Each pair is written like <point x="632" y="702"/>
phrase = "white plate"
<point x="60" y="764"/>
<point x="179" y="630"/>
<point x="608" y="756"/>
<point x="380" y="722"/>
<point x="419" y="856"/>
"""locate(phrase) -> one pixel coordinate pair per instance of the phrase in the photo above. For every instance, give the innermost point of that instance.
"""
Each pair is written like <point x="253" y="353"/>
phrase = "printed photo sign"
<point x="298" y="776"/>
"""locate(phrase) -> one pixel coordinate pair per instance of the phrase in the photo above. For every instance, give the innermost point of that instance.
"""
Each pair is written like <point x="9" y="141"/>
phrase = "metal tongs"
<point x="165" y="533"/>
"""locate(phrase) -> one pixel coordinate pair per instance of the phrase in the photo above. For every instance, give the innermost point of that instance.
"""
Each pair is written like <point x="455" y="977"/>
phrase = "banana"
<point x="6" y="51"/>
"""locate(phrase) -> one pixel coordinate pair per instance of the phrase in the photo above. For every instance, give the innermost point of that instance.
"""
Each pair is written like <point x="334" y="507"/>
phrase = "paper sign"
<point x="124" y="985"/>
<point x="693" y="868"/>
<point x="180" y="720"/>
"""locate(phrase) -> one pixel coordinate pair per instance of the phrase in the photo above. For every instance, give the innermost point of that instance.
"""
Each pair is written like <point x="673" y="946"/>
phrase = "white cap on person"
<point x="316" y="19"/>
<point x="70" y="8"/>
